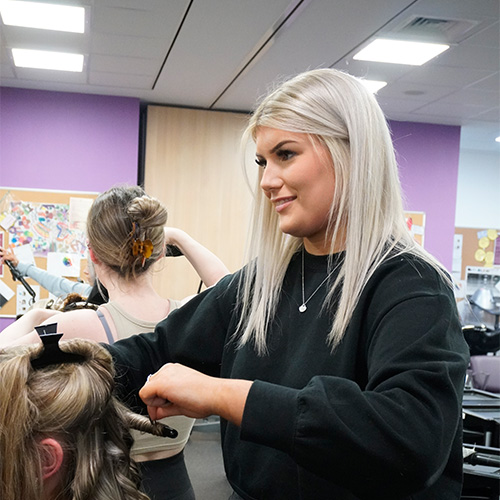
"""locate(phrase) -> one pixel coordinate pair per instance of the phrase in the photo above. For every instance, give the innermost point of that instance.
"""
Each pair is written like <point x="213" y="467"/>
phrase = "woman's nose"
<point x="270" y="179"/>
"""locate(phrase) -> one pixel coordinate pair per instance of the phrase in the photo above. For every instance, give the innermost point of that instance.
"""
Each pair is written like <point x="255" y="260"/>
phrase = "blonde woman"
<point x="127" y="235"/>
<point x="335" y="359"/>
<point x="63" y="435"/>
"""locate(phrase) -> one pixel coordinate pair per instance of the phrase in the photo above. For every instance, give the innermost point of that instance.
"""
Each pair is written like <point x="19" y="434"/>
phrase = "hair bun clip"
<point x="51" y="353"/>
<point x="142" y="247"/>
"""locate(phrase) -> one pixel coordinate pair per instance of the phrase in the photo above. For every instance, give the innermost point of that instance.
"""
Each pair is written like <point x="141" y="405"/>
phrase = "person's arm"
<point x="194" y="336"/>
<point x="208" y="266"/>
<point x="56" y="285"/>
<point x="82" y="323"/>
<point x="14" y="333"/>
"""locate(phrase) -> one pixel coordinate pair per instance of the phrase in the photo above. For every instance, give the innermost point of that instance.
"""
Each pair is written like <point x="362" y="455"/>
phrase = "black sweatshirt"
<point x="379" y="418"/>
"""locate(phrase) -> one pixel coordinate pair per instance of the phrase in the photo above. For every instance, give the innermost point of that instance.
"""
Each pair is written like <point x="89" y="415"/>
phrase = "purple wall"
<point x="64" y="141"/>
<point x="58" y="140"/>
<point x="428" y="159"/>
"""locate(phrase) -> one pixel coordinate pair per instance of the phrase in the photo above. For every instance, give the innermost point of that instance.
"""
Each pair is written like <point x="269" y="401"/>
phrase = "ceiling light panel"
<point x="373" y="85"/>
<point x="43" y="16"/>
<point x="40" y="59"/>
<point x="400" y="52"/>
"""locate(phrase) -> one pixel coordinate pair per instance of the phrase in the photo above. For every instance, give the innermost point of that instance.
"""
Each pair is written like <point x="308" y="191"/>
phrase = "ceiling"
<point x="225" y="54"/>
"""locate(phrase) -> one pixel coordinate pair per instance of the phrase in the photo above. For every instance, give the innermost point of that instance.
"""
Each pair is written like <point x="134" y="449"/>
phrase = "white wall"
<point x="478" y="189"/>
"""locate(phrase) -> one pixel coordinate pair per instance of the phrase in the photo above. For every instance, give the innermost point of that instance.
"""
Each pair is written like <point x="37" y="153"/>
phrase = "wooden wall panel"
<point x="193" y="165"/>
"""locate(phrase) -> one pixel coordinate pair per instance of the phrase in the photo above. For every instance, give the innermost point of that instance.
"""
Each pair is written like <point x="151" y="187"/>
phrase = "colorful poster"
<point x="46" y="228"/>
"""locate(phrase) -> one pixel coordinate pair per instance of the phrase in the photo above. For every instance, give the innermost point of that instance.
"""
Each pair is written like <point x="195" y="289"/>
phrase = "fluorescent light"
<point x="373" y="85"/>
<point x="498" y="139"/>
<point x="400" y="52"/>
<point x="41" y="59"/>
<point x="43" y="16"/>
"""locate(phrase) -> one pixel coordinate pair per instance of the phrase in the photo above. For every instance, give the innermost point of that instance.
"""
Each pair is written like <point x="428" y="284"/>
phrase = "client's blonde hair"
<point x="74" y="404"/>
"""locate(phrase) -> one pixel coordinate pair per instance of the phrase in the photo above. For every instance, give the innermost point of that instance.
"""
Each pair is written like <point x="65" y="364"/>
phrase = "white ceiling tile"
<point x="129" y="46"/>
<point x="51" y="75"/>
<point x="159" y="23"/>
<point x="490" y="83"/>
<point x="477" y="57"/>
<point x="409" y="90"/>
<point x="6" y="71"/>
<point x="473" y="97"/>
<point x="449" y="110"/>
<point x="120" y="80"/>
<point x="390" y="105"/>
<point x="489" y="37"/>
<point x="447" y="76"/>
<point x="124" y="65"/>
<point x="492" y="115"/>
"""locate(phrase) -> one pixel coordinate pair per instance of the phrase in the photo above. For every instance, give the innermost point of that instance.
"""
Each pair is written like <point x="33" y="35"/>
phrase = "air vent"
<point x="435" y="29"/>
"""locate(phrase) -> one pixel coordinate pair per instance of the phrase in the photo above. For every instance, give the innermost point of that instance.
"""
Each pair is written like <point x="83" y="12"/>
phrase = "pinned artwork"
<point x="46" y="227"/>
<point x="63" y="264"/>
<point x="25" y="300"/>
<point x="78" y="212"/>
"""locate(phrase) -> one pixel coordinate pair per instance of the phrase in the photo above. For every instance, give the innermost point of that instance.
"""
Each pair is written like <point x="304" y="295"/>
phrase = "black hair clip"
<point x="51" y="353"/>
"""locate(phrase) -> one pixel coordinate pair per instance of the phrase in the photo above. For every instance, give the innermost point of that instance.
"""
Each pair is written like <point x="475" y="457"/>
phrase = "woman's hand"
<point x="7" y="254"/>
<point x="176" y="389"/>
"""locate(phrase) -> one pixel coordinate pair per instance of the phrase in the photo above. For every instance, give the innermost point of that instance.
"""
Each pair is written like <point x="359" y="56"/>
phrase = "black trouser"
<point x="166" y="479"/>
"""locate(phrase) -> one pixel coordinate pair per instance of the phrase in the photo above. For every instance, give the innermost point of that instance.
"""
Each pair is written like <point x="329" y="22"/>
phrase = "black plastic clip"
<point x="52" y="354"/>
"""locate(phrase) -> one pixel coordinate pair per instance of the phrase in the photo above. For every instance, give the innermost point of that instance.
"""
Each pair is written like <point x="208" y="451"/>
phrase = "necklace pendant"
<point x="302" y="308"/>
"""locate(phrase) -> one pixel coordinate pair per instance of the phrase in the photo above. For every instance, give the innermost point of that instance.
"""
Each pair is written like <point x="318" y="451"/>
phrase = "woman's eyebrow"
<point x="281" y="144"/>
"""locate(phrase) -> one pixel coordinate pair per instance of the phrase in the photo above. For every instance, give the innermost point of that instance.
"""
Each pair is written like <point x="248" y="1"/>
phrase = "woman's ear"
<point x="52" y="457"/>
<point x="93" y="258"/>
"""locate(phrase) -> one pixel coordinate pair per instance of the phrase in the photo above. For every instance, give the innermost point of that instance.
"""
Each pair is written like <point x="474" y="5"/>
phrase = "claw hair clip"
<point x="51" y="353"/>
<point x="140" y="247"/>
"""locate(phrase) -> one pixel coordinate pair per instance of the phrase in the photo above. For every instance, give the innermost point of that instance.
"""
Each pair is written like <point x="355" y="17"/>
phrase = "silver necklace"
<point x="303" y="306"/>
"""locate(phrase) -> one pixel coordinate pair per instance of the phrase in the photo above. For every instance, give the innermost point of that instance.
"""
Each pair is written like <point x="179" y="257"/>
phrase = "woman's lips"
<point x="282" y="203"/>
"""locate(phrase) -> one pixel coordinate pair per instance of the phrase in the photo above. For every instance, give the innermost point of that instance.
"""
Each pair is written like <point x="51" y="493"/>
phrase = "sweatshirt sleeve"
<point x="194" y="335"/>
<point x="399" y="428"/>
<point x="56" y="285"/>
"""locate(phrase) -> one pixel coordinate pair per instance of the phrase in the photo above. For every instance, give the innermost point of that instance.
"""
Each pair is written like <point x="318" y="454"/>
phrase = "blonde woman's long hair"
<point x="335" y="109"/>
<point x="72" y="403"/>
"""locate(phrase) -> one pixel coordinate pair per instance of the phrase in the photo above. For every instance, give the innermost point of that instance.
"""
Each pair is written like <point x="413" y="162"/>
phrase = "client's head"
<point x="63" y="435"/>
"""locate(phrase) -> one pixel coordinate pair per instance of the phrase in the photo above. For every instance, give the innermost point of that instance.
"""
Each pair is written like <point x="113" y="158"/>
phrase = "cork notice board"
<point x="475" y="247"/>
<point x="44" y="227"/>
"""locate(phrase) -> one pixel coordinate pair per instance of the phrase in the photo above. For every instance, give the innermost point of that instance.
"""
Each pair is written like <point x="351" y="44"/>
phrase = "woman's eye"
<point x="285" y="154"/>
<point x="261" y="162"/>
